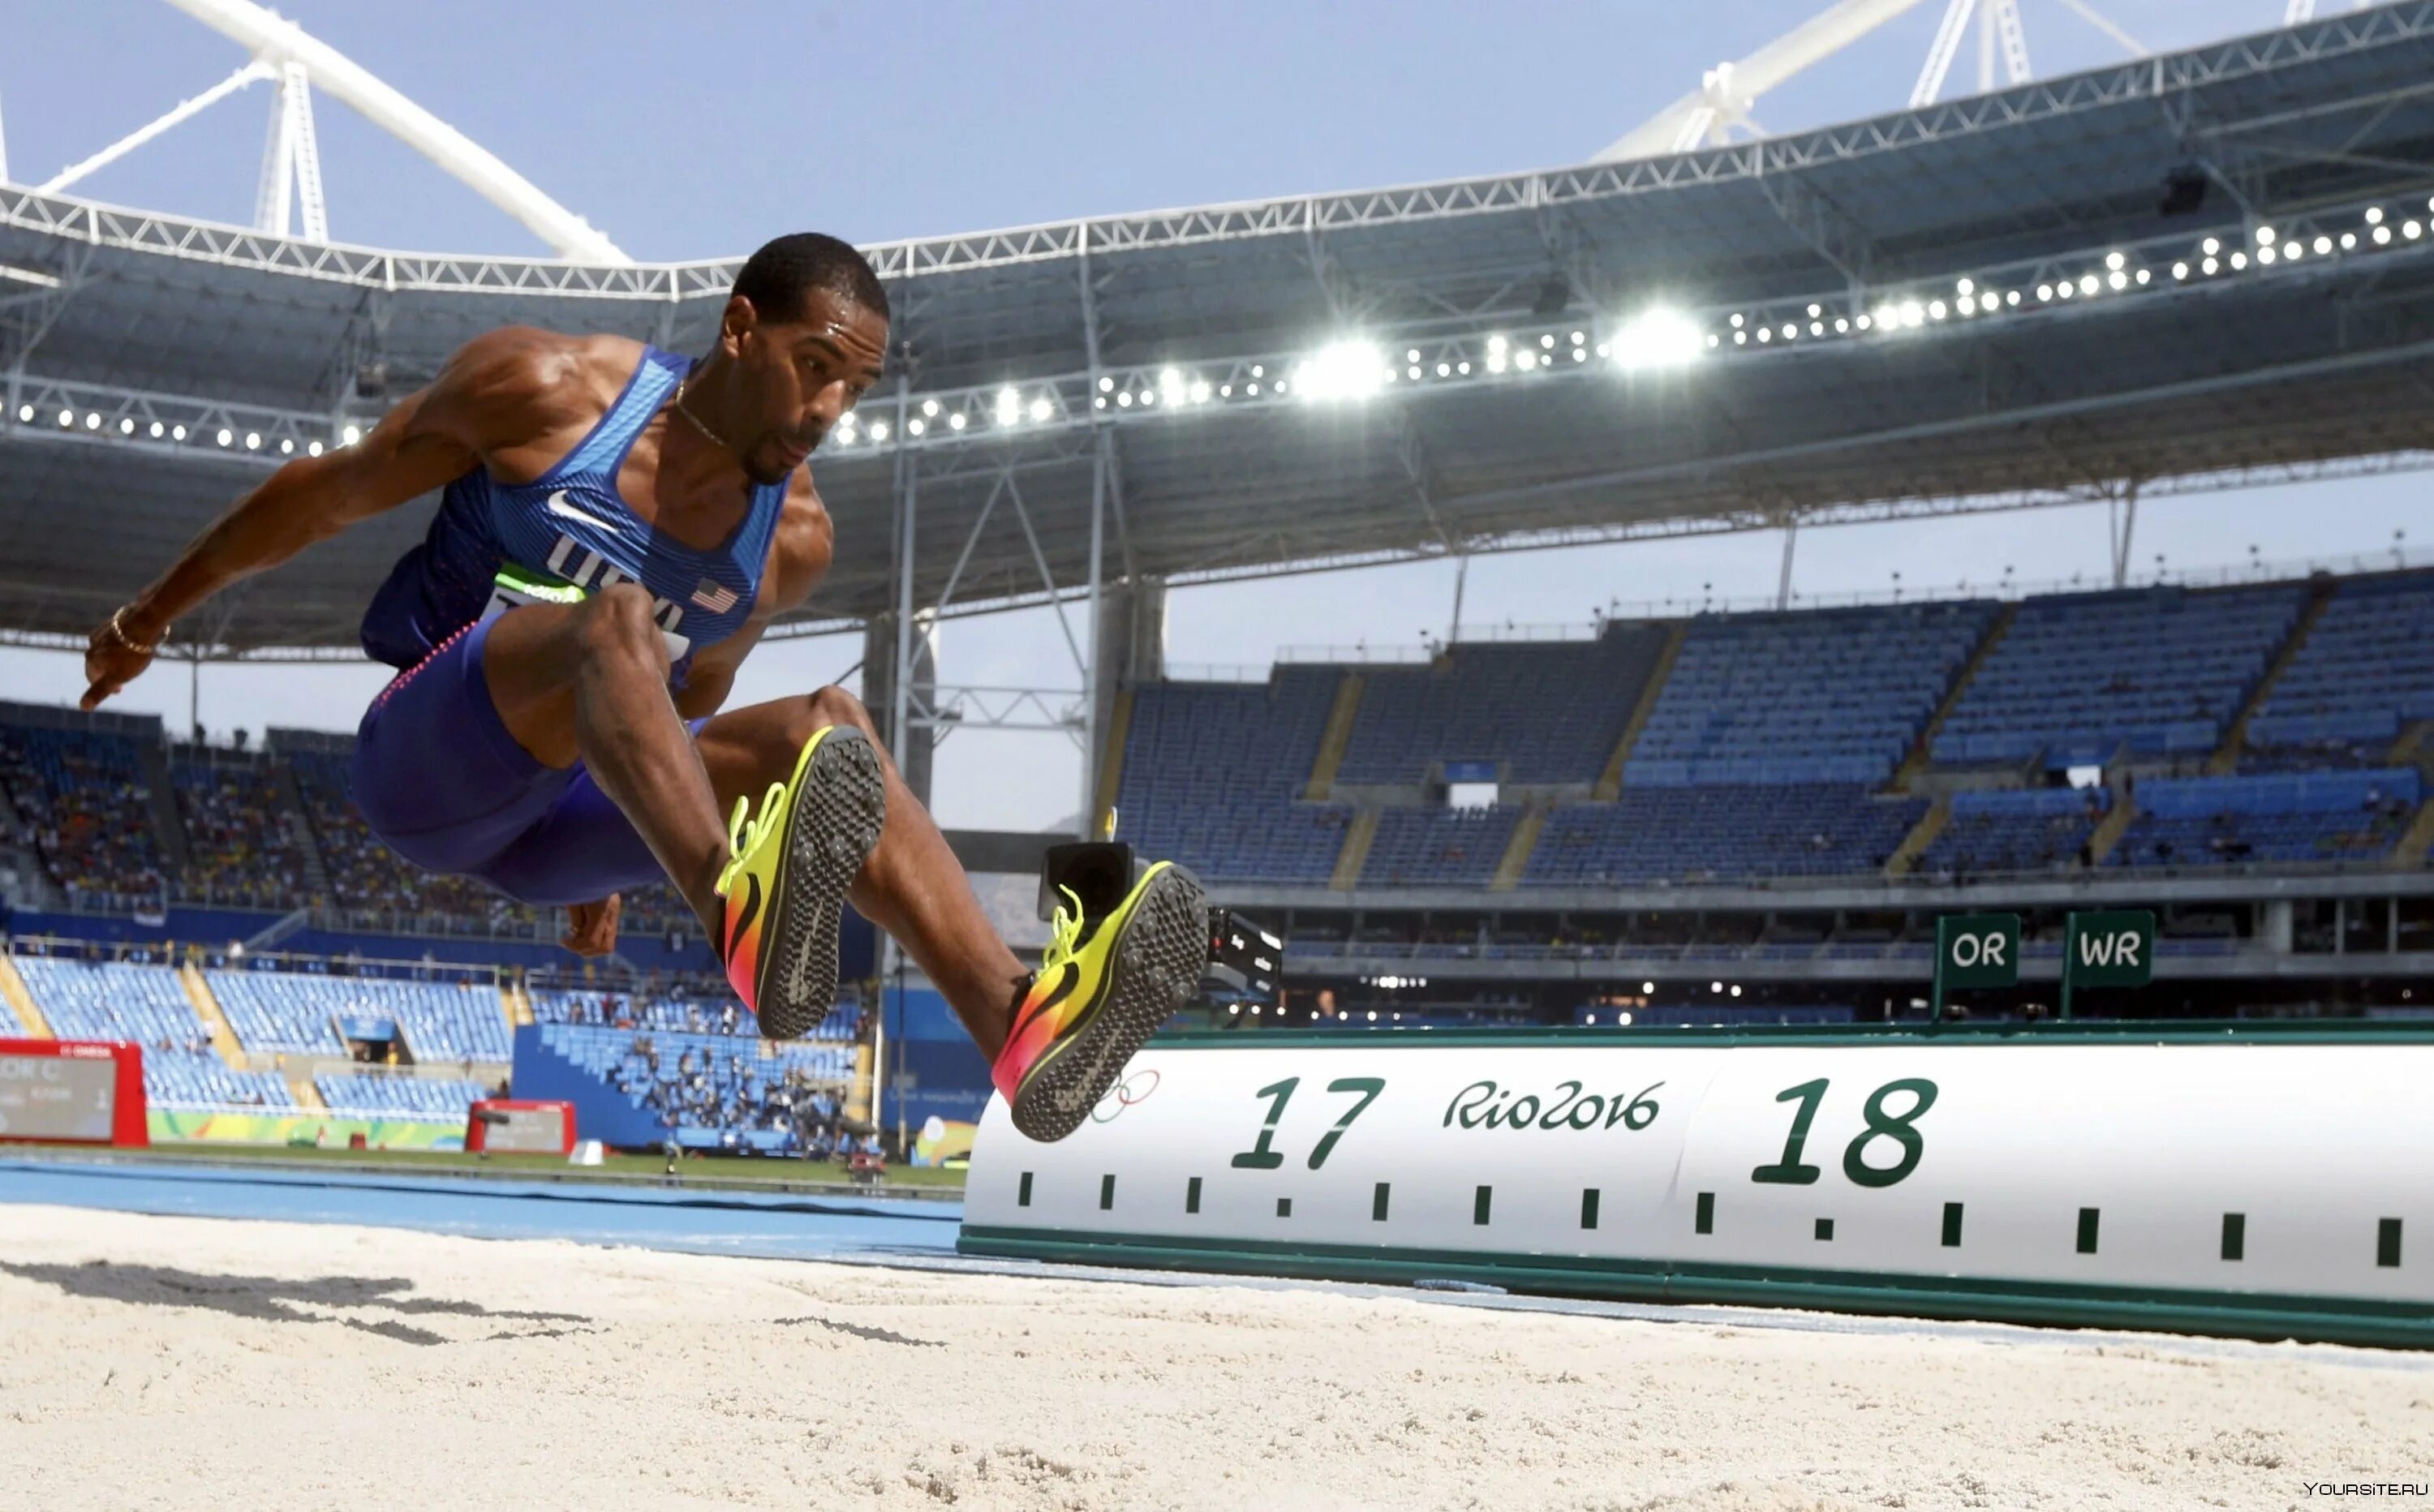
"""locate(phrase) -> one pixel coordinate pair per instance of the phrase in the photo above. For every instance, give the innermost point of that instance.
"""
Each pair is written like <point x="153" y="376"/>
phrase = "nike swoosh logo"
<point x="559" y="506"/>
<point x="1066" y="976"/>
<point x="744" y="919"/>
<point x="798" y="978"/>
<point x="1072" y="1099"/>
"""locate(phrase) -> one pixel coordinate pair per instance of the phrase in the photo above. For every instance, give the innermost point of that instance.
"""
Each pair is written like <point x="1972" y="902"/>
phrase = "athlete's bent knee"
<point x="835" y="706"/>
<point x="617" y="623"/>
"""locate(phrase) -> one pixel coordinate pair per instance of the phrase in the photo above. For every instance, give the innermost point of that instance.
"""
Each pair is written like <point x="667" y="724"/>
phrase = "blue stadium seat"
<point x="1213" y="774"/>
<point x="2295" y="818"/>
<point x="1543" y="713"/>
<point x="298" y="1010"/>
<point x="1819" y="696"/>
<point x="2087" y="678"/>
<point x="715" y="1091"/>
<point x="1654" y="836"/>
<point x="396" y="1096"/>
<point x="2010" y="830"/>
<point x="2365" y="671"/>
<point x="148" y="1006"/>
<point x="1438" y="848"/>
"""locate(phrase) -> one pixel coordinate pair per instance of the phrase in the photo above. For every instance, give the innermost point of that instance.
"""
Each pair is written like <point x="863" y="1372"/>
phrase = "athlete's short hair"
<point x="777" y="277"/>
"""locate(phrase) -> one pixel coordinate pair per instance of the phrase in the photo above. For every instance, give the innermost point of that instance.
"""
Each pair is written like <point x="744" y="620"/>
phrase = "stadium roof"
<point x="1767" y="330"/>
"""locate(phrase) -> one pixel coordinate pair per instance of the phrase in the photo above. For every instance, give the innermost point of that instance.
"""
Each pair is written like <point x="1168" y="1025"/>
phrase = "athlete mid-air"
<point x="619" y="524"/>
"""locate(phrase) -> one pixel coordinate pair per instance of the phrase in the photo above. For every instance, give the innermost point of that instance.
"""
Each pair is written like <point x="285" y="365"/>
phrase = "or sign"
<point x="1976" y="950"/>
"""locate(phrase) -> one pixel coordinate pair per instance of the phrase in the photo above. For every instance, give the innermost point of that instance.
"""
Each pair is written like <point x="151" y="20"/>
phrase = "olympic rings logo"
<point x="1133" y="1089"/>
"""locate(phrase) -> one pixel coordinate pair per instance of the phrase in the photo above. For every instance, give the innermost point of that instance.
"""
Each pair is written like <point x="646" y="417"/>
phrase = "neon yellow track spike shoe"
<point x="787" y="878"/>
<point x="1104" y="986"/>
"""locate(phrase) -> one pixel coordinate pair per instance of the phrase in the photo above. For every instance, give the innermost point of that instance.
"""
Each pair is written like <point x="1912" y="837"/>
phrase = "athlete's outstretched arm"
<point x="502" y="390"/>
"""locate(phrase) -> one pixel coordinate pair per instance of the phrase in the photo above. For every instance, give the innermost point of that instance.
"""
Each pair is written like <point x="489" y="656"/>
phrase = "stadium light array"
<point x="1658" y="336"/>
<point x="1346" y="369"/>
<point x="1654" y="336"/>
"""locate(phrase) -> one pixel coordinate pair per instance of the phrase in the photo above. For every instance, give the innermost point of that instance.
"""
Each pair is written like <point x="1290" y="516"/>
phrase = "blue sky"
<point x="698" y="131"/>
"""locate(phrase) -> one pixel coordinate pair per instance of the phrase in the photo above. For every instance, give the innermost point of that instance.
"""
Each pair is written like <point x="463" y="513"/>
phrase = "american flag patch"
<point x="714" y="598"/>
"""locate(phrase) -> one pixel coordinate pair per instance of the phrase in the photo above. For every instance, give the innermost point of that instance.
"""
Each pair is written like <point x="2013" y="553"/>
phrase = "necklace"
<point x="698" y="423"/>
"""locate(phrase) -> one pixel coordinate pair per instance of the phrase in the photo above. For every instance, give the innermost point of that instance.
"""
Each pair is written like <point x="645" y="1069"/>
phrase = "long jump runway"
<point x="692" y="1220"/>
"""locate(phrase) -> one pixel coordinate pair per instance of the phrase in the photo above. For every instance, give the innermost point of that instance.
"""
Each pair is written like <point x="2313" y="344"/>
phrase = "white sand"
<point x="180" y="1362"/>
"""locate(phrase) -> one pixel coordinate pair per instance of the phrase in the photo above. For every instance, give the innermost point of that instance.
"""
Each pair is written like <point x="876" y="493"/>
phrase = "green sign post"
<point x="2113" y="948"/>
<point x="1975" y="950"/>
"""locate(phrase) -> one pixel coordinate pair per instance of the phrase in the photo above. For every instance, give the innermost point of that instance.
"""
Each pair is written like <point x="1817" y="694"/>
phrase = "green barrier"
<point x="324" y="1129"/>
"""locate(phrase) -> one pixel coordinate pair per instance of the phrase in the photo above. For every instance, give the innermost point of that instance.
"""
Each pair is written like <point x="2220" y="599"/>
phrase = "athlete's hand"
<point x="592" y="927"/>
<point x="116" y="653"/>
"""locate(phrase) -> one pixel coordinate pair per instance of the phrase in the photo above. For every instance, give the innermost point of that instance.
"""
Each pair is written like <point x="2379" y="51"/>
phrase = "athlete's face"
<point x="801" y="376"/>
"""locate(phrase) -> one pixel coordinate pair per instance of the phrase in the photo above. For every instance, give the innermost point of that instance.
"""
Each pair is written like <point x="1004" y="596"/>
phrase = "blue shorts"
<point x="443" y="784"/>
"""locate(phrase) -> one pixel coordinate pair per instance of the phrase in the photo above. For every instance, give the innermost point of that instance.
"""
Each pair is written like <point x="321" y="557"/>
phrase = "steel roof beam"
<point x="251" y="73"/>
<point x="272" y="37"/>
<point x="2157" y="79"/>
<point x="1128" y="395"/>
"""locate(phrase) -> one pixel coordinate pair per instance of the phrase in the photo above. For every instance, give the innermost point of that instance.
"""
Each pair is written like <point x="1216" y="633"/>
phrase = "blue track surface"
<point x="778" y="1225"/>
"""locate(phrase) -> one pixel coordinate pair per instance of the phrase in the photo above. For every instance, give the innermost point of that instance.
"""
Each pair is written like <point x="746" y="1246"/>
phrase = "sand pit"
<point x="195" y="1363"/>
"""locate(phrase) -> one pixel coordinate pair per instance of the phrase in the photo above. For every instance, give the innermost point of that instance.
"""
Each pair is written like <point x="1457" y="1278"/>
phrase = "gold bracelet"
<point x="119" y="631"/>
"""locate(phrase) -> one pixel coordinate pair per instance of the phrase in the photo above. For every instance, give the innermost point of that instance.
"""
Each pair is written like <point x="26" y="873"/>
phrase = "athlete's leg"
<point x="912" y="885"/>
<point x="589" y="682"/>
